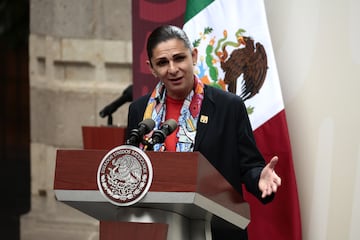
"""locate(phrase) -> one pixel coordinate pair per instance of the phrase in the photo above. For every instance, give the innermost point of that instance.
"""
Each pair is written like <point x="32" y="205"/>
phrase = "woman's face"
<point x="173" y="64"/>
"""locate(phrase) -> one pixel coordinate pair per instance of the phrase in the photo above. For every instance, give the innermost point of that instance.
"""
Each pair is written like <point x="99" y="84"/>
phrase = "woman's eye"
<point x="161" y="63"/>
<point x="179" y="58"/>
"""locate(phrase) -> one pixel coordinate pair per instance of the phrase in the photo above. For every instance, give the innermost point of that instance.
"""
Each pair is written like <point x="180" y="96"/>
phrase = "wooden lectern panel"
<point x="133" y="231"/>
<point x="106" y="137"/>
<point x="172" y="172"/>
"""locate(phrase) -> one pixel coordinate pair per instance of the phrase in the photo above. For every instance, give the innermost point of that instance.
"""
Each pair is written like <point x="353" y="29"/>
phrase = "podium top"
<point x="185" y="183"/>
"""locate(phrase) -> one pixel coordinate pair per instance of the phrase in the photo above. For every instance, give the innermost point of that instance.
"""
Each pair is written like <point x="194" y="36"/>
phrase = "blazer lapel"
<point x="207" y="114"/>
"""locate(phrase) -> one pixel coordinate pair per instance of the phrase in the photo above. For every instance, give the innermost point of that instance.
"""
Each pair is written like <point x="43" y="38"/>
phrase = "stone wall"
<point x="80" y="60"/>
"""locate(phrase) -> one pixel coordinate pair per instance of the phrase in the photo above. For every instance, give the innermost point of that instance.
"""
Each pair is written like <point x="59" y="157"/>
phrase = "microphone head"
<point x="165" y="130"/>
<point x="146" y="125"/>
<point x="169" y="126"/>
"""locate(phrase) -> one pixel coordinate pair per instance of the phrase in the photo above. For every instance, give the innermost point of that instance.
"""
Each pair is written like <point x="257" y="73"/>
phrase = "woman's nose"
<point x="172" y="68"/>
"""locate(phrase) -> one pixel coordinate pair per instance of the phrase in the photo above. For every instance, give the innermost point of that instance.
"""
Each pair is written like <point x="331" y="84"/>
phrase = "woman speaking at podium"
<point x="210" y="120"/>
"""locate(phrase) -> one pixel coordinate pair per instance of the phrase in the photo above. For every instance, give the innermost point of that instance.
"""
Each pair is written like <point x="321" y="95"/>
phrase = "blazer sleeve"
<point x="254" y="161"/>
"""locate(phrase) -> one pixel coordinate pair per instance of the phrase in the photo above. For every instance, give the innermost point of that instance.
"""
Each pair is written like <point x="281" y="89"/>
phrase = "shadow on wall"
<point x="15" y="116"/>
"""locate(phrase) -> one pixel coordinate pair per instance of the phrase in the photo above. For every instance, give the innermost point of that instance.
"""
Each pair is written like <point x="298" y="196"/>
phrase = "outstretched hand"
<point x="269" y="180"/>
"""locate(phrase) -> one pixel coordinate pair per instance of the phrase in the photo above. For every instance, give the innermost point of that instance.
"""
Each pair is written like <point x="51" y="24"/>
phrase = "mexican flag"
<point x="235" y="54"/>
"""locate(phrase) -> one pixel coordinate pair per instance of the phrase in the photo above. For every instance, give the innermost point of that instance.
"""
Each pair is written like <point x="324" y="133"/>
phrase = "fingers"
<point x="277" y="180"/>
<point x="266" y="193"/>
<point x="272" y="188"/>
<point x="273" y="162"/>
<point x="270" y="180"/>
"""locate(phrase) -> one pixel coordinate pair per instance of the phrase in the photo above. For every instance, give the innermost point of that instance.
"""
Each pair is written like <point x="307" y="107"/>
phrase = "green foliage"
<point x="196" y="43"/>
<point x="250" y="110"/>
<point x="207" y="30"/>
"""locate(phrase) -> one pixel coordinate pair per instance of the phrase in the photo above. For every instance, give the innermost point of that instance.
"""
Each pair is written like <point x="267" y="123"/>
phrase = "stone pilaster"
<point x="80" y="60"/>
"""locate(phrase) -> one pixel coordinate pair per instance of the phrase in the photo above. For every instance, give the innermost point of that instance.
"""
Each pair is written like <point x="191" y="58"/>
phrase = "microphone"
<point x="165" y="130"/>
<point x="112" y="107"/>
<point x="136" y="134"/>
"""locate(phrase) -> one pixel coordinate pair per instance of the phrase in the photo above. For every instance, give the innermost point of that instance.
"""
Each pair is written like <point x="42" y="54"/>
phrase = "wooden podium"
<point x="103" y="137"/>
<point x="187" y="194"/>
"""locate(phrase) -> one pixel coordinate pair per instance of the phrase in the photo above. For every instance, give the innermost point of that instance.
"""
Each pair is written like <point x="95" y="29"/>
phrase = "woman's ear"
<point x="194" y="54"/>
<point x="151" y="68"/>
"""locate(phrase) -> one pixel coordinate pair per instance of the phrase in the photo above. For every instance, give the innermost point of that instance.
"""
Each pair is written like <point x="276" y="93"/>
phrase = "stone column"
<point x="80" y="60"/>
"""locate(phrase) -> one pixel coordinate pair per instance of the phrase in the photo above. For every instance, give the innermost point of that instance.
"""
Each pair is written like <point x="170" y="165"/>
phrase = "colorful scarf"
<point x="189" y="114"/>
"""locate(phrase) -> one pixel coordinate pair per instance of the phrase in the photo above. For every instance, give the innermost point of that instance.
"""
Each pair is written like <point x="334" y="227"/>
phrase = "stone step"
<point x="53" y="220"/>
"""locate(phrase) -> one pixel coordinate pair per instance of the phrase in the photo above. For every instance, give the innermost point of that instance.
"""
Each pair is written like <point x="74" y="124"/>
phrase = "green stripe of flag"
<point x="193" y="7"/>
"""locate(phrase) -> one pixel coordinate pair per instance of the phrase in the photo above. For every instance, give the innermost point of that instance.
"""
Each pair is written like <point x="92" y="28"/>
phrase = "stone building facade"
<point x="80" y="59"/>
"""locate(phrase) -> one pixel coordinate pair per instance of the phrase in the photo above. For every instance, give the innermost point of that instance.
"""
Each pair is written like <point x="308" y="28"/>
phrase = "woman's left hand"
<point x="269" y="180"/>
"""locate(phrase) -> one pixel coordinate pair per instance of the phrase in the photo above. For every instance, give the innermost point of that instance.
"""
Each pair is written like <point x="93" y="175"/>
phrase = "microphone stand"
<point x="112" y="107"/>
<point x="110" y="120"/>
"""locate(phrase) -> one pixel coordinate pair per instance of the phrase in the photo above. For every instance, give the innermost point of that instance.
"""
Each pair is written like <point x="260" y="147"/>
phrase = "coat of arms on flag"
<point x="229" y="62"/>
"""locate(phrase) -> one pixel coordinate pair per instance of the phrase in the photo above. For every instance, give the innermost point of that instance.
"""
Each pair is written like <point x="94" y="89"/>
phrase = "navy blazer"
<point x="226" y="140"/>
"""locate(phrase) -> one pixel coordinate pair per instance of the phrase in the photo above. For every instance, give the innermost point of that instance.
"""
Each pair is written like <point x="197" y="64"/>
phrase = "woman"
<point x="211" y="121"/>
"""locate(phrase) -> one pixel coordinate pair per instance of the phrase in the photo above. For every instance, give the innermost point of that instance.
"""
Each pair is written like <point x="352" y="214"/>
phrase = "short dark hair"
<point x="164" y="33"/>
